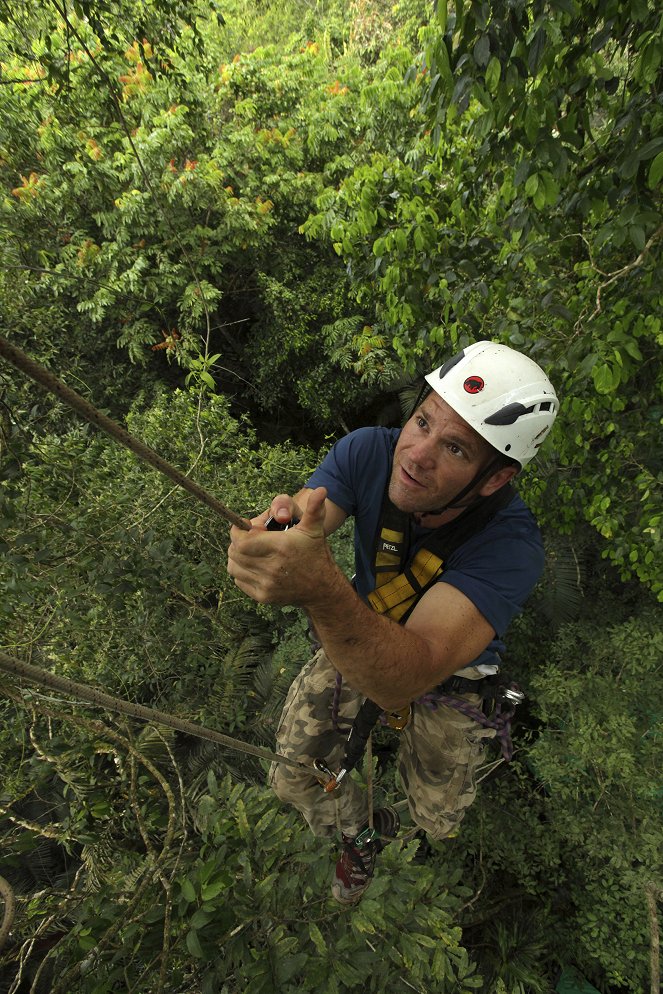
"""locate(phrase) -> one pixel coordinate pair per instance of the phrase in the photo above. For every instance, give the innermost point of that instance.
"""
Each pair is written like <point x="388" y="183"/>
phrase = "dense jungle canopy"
<point x="243" y="229"/>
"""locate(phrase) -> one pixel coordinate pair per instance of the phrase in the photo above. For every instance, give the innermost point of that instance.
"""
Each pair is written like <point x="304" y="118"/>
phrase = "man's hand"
<point x="280" y="567"/>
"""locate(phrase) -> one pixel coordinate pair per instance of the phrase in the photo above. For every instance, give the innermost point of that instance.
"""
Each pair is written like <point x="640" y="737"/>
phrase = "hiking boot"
<point x="354" y="870"/>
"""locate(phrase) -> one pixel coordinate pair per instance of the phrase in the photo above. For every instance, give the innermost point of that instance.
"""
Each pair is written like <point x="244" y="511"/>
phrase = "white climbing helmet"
<point x="502" y="394"/>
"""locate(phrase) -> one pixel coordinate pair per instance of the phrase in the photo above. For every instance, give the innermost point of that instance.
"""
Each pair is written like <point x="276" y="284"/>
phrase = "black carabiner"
<point x="272" y="525"/>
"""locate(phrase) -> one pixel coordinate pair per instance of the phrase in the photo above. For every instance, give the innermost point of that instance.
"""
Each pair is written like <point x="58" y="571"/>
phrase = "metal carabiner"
<point x="327" y="780"/>
<point x="513" y="694"/>
<point x="368" y="835"/>
<point x="272" y="525"/>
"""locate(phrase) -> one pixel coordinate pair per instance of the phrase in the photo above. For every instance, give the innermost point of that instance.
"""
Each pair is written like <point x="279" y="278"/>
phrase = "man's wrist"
<point x="327" y="587"/>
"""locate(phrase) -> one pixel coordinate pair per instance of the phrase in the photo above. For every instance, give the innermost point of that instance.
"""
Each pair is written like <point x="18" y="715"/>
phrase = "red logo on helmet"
<point x="473" y="384"/>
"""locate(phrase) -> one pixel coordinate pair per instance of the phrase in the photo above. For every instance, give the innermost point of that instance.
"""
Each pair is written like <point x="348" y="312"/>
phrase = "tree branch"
<point x="619" y="273"/>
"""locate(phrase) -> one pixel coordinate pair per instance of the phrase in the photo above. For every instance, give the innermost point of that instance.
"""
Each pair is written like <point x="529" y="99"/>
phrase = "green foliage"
<point x="571" y="839"/>
<point x="182" y="205"/>
<point x="159" y="197"/>
<point x="279" y="934"/>
<point x="606" y="800"/>
<point x="151" y="566"/>
<point x="518" y="957"/>
<point x="239" y="905"/>
<point x="527" y="210"/>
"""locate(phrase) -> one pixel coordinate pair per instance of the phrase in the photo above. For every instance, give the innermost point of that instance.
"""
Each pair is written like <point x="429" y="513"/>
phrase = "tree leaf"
<point x="188" y="891"/>
<point x="481" y="51"/>
<point x="650" y="148"/>
<point x="193" y="944"/>
<point x="655" y="171"/>
<point x="442" y="14"/>
<point x="318" y="939"/>
<point x="532" y="184"/>
<point x="213" y="889"/>
<point x="493" y="74"/>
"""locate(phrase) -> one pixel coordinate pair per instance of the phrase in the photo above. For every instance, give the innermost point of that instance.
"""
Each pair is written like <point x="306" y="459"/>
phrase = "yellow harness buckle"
<point x="400" y="719"/>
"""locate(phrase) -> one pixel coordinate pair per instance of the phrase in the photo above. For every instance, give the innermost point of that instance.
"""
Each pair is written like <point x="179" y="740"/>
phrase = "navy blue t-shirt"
<point x="496" y="569"/>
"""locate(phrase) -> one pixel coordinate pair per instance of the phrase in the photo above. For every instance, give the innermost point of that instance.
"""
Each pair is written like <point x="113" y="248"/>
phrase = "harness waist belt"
<point x="486" y="687"/>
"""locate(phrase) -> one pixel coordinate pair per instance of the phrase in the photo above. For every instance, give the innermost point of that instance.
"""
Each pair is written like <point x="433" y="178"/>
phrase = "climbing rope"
<point x="82" y="692"/>
<point x="94" y="416"/>
<point x="369" y="780"/>
<point x="500" y="720"/>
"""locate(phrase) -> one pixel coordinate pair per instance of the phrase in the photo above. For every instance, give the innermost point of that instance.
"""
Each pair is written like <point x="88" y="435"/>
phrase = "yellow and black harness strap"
<point x="400" y="582"/>
<point x="389" y="555"/>
<point x="397" y="593"/>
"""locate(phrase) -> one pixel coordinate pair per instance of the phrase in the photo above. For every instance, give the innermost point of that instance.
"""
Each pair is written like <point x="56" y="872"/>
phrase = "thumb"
<point x="313" y="518"/>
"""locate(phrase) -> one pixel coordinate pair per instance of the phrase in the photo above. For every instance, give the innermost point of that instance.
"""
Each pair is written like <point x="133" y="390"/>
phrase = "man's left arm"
<point x="390" y="663"/>
<point x="394" y="664"/>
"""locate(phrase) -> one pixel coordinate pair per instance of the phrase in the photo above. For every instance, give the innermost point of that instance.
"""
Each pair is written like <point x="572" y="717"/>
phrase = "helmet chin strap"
<point x="458" y="501"/>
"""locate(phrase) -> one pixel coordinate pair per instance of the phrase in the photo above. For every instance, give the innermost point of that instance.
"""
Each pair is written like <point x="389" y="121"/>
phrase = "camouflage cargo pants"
<point x="438" y="757"/>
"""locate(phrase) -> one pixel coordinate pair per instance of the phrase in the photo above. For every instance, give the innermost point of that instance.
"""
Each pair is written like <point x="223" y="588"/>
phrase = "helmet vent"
<point x="449" y="364"/>
<point x="508" y="415"/>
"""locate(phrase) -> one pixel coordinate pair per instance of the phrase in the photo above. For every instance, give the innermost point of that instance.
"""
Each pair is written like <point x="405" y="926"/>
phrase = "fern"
<point x="154" y="743"/>
<point x="563" y="582"/>
<point x="231" y="692"/>
<point x="515" y="956"/>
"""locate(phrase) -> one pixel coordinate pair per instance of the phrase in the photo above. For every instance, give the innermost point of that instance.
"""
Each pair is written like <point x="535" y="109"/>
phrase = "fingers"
<point x="262" y="581"/>
<point x="255" y="543"/>
<point x="247" y="549"/>
<point x="316" y="500"/>
<point x="283" y="509"/>
<point x="260" y="520"/>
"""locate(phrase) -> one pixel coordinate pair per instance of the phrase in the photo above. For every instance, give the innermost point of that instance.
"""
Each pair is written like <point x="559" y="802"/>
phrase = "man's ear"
<point x="497" y="480"/>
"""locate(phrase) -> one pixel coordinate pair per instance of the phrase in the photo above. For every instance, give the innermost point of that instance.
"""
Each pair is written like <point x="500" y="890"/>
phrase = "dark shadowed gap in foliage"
<point x="296" y="425"/>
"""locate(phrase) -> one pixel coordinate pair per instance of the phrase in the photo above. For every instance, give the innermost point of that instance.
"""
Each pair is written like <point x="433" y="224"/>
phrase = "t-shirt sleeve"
<point x="349" y="469"/>
<point x="334" y="474"/>
<point x="500" y="583"/>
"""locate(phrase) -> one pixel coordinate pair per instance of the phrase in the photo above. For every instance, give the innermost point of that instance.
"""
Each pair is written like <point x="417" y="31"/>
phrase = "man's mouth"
<point x="410" y="480"/>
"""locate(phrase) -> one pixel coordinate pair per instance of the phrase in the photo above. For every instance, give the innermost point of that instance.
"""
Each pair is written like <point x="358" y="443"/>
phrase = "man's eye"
<point x="455" y="449"/>
<point x="421" y="422"/>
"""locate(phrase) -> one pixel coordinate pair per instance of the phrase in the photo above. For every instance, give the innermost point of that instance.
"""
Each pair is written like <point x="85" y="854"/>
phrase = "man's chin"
<point x="405" y="502"/>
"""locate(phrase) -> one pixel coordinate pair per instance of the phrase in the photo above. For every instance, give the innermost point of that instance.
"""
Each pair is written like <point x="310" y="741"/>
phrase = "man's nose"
<point x="423" y="453"/>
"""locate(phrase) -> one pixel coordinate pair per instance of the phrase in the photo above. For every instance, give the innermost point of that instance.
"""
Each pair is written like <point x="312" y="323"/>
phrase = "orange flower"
<point x="336" y="89"/>
<point x="170" y="341"/>
<point x="28" y="188"/>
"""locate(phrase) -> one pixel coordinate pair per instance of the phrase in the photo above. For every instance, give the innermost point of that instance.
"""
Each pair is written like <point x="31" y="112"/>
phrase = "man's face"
<point x="437" y="454"/>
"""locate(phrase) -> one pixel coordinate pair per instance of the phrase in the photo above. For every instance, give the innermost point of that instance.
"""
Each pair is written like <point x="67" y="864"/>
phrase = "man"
<point x="446" y="554"/>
